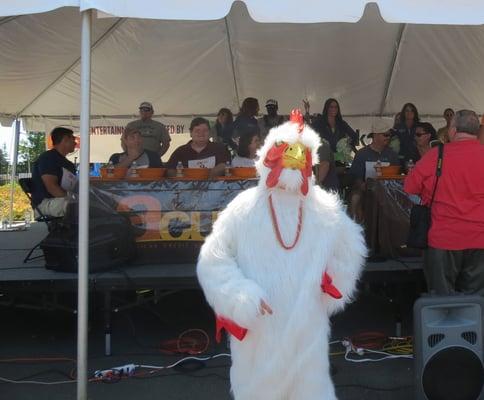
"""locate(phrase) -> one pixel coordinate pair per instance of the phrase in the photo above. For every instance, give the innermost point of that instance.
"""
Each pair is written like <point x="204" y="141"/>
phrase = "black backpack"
<point x="111" y="241"/>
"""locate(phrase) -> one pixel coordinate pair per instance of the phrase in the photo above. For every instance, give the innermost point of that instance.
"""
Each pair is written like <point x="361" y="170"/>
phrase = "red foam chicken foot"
<point x="230" y="326"/>
<point x="328" y="287"/>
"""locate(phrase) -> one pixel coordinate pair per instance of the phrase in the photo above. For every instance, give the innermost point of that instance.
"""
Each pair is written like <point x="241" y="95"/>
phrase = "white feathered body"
<point x="284" y="356"/>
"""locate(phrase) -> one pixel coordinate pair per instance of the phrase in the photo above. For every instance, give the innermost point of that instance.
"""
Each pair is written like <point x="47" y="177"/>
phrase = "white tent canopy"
<point x="465" y="12"/>
<point x="187" y="67"/>
<point x="200" y="58"/>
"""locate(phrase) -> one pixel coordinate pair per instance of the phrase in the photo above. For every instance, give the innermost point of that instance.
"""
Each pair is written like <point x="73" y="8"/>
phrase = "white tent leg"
<point x="14" y="168"/>
<point x="83" y="259"/>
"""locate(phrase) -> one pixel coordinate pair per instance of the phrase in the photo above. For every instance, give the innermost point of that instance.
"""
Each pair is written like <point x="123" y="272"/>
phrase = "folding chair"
<point x="27" y="186"/>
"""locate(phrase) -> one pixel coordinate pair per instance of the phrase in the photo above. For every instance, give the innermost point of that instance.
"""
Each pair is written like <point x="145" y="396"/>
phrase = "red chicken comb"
<point x="297" y="117"/>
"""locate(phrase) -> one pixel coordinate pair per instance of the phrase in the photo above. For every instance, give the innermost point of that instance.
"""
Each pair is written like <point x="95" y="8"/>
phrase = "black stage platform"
<point x="36" y="323"/>
<point x="15" y="274"/>
<point x="17" y="278"/>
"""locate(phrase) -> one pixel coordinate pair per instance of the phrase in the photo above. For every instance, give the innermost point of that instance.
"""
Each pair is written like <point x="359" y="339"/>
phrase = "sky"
<point x="6" y="136"/>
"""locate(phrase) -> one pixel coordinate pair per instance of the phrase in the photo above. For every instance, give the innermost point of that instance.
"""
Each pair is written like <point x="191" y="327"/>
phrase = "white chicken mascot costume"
<point x="281" y="259"/>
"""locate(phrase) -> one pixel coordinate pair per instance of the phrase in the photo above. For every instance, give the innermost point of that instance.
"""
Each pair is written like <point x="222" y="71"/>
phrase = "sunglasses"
<point x="145" y="109"/>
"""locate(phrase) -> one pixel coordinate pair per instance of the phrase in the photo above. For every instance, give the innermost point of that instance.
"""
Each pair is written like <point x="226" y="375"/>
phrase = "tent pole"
<point x="14" y="168"/>
<point x="83" y="244"/>
<point x="393" y="68"/>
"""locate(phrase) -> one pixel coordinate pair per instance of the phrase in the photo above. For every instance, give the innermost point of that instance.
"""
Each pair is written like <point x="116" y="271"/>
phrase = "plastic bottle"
<point x="410" y="165"/>
<point x="110" y="169"/>
<point x="134" y="170"/>
<point x="227" y="168"/>
<point x="179" y="169"/>
<point x="378" y="168"/>
<point x="27" y="219"/>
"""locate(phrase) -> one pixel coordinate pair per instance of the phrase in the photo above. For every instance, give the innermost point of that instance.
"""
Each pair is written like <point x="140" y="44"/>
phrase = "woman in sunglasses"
<point x="424" y="134"/>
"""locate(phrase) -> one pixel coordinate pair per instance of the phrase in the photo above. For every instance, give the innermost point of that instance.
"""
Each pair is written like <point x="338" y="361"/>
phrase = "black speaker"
<point x="448" y="349"/>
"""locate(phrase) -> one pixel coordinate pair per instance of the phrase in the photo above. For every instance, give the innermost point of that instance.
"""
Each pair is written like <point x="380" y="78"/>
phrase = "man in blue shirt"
<point x="52" y="173"/>
<point x="363" y="165"/>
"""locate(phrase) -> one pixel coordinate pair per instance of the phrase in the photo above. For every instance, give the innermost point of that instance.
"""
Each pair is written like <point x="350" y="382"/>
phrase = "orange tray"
<point x="232" y="178"/>
<point x="383" y="178"/>
<point x="184" y="178"/>
<point x="99" y="179"/>
<point x="125" y="179"/>
<point x="139" y="179"/>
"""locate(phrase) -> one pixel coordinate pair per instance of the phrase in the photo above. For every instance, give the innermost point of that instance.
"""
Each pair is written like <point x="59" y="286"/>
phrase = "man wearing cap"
<point x="155" y="136"/>
<point x="272" y="119"/>
<point x="363" y="165"/>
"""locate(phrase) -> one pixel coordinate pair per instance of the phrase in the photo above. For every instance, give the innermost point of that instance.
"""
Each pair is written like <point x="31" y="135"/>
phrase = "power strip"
<point x="123" y="370"/>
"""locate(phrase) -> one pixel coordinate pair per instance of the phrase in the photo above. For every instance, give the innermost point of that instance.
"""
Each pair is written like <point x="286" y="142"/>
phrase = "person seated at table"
<point x="53" y="175"/>
<point x="247" y="151"/>
<point x="363" y="167"/>
<point x="424" y="134"/>
<point x="200" y="152"/>
<point x="133" y="151"/>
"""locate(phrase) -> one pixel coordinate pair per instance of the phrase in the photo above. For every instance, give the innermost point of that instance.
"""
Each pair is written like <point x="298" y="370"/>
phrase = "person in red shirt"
<point x="454" y="260"/>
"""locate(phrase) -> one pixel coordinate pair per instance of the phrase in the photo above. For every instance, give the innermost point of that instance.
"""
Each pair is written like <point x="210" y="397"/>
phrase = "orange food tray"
<point x="382" y="178"/>
<point x="232" y="178"/>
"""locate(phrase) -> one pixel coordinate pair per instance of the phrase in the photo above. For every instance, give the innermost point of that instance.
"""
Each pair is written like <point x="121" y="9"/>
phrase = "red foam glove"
<point x="230" y="326"/>
<point x="328" y="287"/>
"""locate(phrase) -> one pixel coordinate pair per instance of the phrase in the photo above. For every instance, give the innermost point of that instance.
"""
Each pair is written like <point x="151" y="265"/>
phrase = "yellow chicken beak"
<point x="294" y="156"/>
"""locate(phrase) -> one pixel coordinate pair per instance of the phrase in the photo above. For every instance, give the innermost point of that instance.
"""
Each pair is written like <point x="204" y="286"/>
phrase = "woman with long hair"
<point x="223" y="129"/>
<point x="246" y="121"/>
<point x="331" y="127"/>
<point x="405" y="131"/>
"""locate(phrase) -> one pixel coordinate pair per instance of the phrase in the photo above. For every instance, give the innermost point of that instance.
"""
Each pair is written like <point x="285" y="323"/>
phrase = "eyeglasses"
<point x="146" y="109"/>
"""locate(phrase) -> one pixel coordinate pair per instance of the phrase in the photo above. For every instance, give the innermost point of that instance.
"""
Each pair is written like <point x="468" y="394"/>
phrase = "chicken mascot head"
<point x="286" y="159"/>
<point x="281" y="258"/>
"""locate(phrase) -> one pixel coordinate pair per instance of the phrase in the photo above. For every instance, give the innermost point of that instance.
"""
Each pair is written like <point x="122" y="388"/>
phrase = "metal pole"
<point x="14" y="168"/>
<point x="83" y="259"/>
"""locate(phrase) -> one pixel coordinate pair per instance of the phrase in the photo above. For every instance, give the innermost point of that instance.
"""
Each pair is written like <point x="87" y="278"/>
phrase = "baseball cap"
<point x="146" y="104"/>
<point x="381" y="126"/>
<point x="271" y="102"/>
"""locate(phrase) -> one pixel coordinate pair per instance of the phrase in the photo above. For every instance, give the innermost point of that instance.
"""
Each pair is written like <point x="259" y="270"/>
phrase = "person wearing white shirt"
<point x="247" y="152"/>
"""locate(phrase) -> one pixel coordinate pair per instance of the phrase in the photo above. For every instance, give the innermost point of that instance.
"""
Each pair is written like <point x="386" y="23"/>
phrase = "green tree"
<point x="29" y="150"/>
<point x="4" y="160"/>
